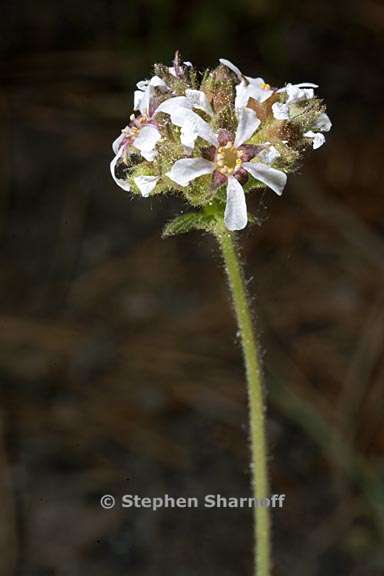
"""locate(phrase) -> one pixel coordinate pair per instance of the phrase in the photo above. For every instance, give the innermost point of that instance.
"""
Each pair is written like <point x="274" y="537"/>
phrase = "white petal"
<point x="251" y="88"/>
<point x="274" y="179"/>
<point x="300" y="85"/>
<point x="173" y="71"/>
<point x="318" y="138"/>
<point x="117" y="143"/>
<point x="280" y="111"/>
<point x="147" y="139"/>
<point x="157" y="82"/>
<point x="143" y="103"/>
<point x="142" y="85"/>
<point x="295" y="93"/>
<point x="323" y="123"/>
<point x="138" y="99"/>
<point x="193" y="99"/>
<point x="248" y="123"/>
<point x="232" y="67"/>
<point x="172" y="104"/>
<point x="142" y="97"/>
<point x="268" y="155"/>
<point x="187" y="169"/>
<point x="242" y="95"/>
<point x="192" y="126"/>
<point x="256" y="89"/>
<point x="122" y="183"/>
<point x="198" y="99"/>
<point x="146" y="184"/>
<point x="307" y="85"/>
<point x="235" y="215"/>
<point x="188" y="134"/>
<point x="149" y="155"/>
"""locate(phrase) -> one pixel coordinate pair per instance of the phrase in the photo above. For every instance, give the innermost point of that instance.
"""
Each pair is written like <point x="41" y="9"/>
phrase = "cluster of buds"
<point x="214" y="137"/>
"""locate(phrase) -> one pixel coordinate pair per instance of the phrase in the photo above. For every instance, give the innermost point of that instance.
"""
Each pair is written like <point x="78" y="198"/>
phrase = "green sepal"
<point x="188" y="222"/>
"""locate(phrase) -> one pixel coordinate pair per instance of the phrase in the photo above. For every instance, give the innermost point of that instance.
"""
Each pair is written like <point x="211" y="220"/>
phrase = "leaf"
<point x="187" y="222"/>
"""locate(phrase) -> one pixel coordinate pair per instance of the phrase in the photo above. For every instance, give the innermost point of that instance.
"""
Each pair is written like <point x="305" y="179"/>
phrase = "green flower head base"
<point x="212" y="138"/>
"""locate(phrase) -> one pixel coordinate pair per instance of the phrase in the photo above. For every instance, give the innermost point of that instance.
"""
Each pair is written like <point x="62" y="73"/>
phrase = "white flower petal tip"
<point x="269" y="155"/>
<point x="318" y="138"/>
<point x="124" y="184"/>
<point x="142" y="96"/>
<point x="117" y="143"/>
<point x="306" y="85"/>
<point x="172" y="104"/>
<point x="231" y="66"/>
<point x="148" y="155"/>
<point x="323" y="123"/>
<point x="296" y="87"/>
<point x="235" y="215"/>
<point x="280" y="111"/>
<point x="254" y="88"/>
<point x="271" y="177"/>
<point x="157" y="82"/>
<point x="296" y="93"/>
<point x="138" y="98"/>
<point x="248" y="123"/>
<point x="146" y="184"/>
<point x="192" y="126"/>
<point x="187" y="169"/>
<point x="188" y="135"/>
<point x="198" y="99"/>
<point x="146" y="141"/>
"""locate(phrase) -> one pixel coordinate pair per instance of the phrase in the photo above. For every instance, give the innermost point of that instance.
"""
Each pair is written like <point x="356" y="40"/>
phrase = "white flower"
<point x="180" y="109"/>
<point x="318" y="138"/>
<point x="142" y="133"/>
<point x="302" y="91"/>
<point x="146" y="184"/>
<point x="231" y="161"/>
<point x="119" y="181"/>
<point x="248" y="87"/>
<point x="142" y="96"/>
<point x="295" y="93"/>
<point x="322" y="124"/>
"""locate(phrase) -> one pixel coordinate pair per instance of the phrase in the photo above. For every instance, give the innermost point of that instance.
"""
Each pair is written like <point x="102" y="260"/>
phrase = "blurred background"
<point x="120" y="367"/>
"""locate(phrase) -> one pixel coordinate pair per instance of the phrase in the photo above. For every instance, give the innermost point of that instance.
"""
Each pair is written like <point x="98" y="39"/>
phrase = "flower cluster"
<point x="214" y="137"/>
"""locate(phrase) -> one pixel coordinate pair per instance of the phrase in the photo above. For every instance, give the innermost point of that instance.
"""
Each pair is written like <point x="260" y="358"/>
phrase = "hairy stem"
<point x="255" y="395"/>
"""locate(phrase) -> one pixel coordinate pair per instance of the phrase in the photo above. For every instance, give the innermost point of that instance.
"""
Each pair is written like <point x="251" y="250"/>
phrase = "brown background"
<point x="120" y="368"/>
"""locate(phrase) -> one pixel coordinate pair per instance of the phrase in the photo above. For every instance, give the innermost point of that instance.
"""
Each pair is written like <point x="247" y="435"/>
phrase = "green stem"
<point x="255" y="395"/>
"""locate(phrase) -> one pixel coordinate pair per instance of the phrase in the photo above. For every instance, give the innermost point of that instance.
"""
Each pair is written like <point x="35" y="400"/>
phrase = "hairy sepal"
<point x="188" y="222"/>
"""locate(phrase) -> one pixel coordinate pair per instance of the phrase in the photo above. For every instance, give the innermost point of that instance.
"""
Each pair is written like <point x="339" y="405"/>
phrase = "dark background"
<point x="120" y="368"/>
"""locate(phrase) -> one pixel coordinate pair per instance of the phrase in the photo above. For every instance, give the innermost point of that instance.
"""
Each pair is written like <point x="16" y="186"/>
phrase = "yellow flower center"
<point x="228" y="159"/>
<point x="265" y="86"/>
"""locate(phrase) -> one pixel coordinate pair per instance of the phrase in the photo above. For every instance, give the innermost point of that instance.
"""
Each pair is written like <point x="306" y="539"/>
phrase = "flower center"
<point x="265" y="86"/>
<point x="228" y="159"/>
<point x="131" y="131"/>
